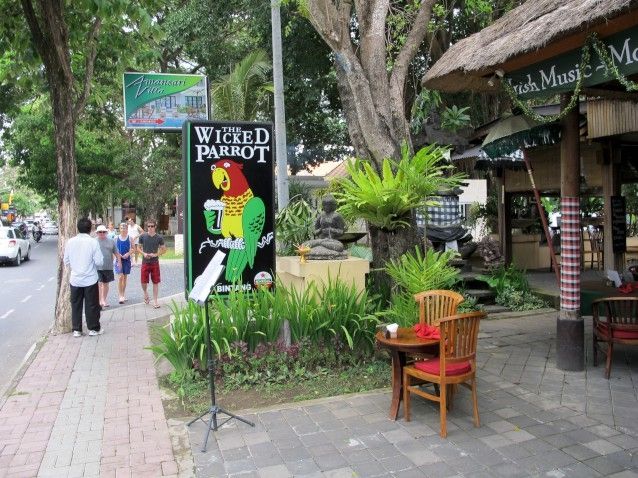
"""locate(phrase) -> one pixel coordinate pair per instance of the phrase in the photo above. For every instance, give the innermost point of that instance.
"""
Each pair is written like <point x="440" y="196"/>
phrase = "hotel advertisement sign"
<point x="164" y="101"/>
<point x="560" y="74"/>
<point x="229" y="202"/>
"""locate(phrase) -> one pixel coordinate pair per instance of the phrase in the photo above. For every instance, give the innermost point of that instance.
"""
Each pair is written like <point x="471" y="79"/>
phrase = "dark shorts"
<point x="152" y="270"/>
<point x="105" y="276"/>
<point x="126" y="267"/>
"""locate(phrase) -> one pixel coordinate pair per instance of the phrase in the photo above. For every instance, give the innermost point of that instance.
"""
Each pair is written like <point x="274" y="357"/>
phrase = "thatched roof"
<point x="526" y="29"/>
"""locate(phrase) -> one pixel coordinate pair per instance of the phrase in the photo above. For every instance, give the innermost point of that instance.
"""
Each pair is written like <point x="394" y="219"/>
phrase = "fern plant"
<point x="386" y="199"/>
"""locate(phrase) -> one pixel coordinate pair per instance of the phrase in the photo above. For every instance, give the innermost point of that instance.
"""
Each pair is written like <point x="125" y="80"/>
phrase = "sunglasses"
<point x="101" y="232"/>
<point x="150" y="225"/>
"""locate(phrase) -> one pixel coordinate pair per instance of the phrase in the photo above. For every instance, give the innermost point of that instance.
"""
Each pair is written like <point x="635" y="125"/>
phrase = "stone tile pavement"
<point x="90" y="406"/>
<point x="535" y="421"/>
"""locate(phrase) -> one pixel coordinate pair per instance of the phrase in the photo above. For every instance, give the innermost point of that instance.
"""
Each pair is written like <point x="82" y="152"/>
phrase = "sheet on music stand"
<point x="205" y="282"/>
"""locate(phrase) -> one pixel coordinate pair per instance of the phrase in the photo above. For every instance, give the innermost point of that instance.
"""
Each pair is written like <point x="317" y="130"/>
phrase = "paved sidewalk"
<point x="90" y="406"/>
<point x="535" y="421"/>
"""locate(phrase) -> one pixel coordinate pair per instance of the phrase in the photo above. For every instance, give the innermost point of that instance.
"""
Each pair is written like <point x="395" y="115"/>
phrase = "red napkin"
<point x="426" y="331"/>
<point x="626" y="288"/>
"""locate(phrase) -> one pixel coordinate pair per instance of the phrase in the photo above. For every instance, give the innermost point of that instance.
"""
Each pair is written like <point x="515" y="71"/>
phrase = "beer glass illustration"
<point x="213" y="213"/>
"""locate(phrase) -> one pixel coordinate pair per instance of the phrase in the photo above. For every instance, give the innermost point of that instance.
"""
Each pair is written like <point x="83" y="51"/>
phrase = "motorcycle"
<point x="36" y="233"/>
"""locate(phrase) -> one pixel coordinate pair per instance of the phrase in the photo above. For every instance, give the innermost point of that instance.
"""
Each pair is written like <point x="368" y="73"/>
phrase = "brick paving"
<point x="90" y="406"/>
<point x="536" y="421"/>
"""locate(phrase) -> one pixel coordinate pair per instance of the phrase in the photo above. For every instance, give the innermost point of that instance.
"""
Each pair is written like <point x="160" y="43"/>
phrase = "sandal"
<point x="147" y="300"/>
<point x="156" y="306"/>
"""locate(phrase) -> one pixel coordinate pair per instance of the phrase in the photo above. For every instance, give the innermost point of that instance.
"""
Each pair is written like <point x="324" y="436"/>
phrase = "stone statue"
<point x="329" y="224"/>
<point x="328" y="227"/>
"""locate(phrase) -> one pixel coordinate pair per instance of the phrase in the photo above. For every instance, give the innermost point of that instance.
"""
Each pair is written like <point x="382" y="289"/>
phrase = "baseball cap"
<point x="102" y="228"/>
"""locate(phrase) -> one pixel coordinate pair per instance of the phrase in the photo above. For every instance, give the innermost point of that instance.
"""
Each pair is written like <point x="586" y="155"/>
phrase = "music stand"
<point x="201" y="293"/>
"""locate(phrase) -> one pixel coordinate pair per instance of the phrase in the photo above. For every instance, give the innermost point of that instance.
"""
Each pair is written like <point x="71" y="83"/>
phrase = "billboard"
<point x="229" y="202"/>
<point x="164" y="101"/>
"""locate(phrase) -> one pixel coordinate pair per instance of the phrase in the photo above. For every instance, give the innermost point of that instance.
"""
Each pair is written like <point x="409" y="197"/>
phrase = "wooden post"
<point x="570" y="353"/>
<point x="611" y="187"/>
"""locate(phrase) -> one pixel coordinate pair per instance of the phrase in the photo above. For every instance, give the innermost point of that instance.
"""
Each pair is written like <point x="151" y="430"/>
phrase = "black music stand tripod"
<point x="214" y="410"/>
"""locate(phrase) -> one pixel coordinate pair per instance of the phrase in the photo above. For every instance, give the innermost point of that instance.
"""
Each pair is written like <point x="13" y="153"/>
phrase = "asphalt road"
<point x="27" y="301"/>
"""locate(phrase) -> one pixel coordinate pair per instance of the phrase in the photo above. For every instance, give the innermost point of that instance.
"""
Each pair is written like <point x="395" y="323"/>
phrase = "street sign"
<point x="229" y="202"/>
<point x="163" y="101"/>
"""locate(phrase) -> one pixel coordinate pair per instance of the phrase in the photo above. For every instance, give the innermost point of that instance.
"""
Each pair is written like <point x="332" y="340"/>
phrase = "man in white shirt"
<point x="82" y="253"/>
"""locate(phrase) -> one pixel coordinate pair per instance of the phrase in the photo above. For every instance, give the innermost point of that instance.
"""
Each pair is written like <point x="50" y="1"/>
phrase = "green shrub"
<point x="519" y="300"/>
<point x="416" y="272"/>
<point x="334" y="315"/>
<point x="295" y="224"/>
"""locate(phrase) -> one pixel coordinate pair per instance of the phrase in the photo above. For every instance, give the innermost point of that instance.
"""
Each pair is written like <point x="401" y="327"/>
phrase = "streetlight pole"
<point x="280" y="114"/>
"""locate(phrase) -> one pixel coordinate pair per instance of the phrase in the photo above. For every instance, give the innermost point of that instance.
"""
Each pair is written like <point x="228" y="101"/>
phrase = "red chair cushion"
<point x="603" y="329"/>
<point x="433" y="366"/>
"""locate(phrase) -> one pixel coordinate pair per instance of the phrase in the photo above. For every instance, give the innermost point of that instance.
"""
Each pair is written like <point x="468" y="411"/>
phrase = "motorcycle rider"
<point x="36" y="231"/>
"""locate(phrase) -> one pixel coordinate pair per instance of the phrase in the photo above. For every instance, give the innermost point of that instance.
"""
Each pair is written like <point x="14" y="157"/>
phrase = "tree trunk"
<point x="387" y="245"/>
<point x="64" y="131"/>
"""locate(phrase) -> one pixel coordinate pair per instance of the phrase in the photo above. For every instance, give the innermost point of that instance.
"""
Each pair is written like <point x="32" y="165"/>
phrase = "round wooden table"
<point x="406" y="343"/>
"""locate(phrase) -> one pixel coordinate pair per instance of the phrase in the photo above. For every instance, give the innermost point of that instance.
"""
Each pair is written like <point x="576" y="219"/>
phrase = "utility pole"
<point x="280" y="113"/>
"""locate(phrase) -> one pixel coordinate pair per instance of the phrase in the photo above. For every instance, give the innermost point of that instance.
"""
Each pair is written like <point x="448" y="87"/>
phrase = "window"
<point x="166" y="102"/>
<point x="194" y="101"/>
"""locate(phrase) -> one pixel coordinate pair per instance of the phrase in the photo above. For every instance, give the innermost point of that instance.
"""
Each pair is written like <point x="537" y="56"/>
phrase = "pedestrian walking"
<point x="82" y="254"/>
<point x="105" y="270"/>
<point x="134" y="232"/>
<point x="125" y="248"/>
<point x="112" y="232"/>
<point x="151" y="246"/>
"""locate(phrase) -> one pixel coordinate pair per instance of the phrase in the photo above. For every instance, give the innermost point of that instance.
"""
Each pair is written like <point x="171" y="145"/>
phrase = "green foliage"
<point x="519" y="300"/>
<point x="335" y="316"/>
<point x="274" y="364"/>
<point x="242" y="94"/>
<point x="386" y="199"/>
<point x="182" y="341"/>
<point x="512" y="288"/>
<point x="334" y="312"/>
<point x="418" y="271"/>
<point x="455" y="118"/>
<point x="294" y="224"/>
<point x="358" y="250"/>
<point x="426" y="102"/>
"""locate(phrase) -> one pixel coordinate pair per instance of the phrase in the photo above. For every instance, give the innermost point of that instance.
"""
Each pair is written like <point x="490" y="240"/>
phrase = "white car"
<point x="50" y="228"/>
<point x="14" y="247"/>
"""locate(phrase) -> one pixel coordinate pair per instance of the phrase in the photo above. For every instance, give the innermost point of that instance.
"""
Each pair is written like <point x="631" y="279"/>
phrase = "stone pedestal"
<point x="293" y="273"/>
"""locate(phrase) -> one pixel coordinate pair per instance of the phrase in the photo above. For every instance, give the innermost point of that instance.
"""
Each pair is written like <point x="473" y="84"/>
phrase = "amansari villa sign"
<point x="164" y="101"/>
<point x="560" y="74"/>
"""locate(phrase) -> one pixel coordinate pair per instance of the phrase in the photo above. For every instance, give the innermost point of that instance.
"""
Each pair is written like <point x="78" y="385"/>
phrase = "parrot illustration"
<point x="244" y="215"/>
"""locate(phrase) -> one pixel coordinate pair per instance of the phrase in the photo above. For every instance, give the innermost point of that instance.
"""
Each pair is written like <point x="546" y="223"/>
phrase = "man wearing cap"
<point x="105" y="271"/>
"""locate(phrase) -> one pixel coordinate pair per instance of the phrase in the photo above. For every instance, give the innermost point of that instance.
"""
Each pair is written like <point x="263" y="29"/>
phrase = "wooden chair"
<point x="619" y="326"/>
<point x="592" y="248"/>
<point x="436" y="304"/>
<point x="456" y="365"/>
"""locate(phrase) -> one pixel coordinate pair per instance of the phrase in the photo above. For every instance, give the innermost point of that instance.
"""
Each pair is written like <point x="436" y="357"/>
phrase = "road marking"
<point x="7" y="314"/>
<point x="50" y="278"/>
<point x="26" y="298"/>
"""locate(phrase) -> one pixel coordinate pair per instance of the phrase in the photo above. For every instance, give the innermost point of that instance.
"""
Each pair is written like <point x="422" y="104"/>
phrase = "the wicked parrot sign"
<point x="561" y="73"/>
<point x="229" y="206"/>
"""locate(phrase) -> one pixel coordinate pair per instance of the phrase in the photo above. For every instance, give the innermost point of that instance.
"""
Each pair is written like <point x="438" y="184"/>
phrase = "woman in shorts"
<point x="124" y="245"/>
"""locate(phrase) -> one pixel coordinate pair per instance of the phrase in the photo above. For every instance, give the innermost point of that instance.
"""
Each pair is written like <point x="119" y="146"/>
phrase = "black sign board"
<point x="618" y="224"/>
<point x="229" y="202"/>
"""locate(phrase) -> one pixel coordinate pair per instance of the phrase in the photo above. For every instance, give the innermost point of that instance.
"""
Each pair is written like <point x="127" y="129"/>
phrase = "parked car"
<point x="14" y="246"/>
<point x="50" y="228"/>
